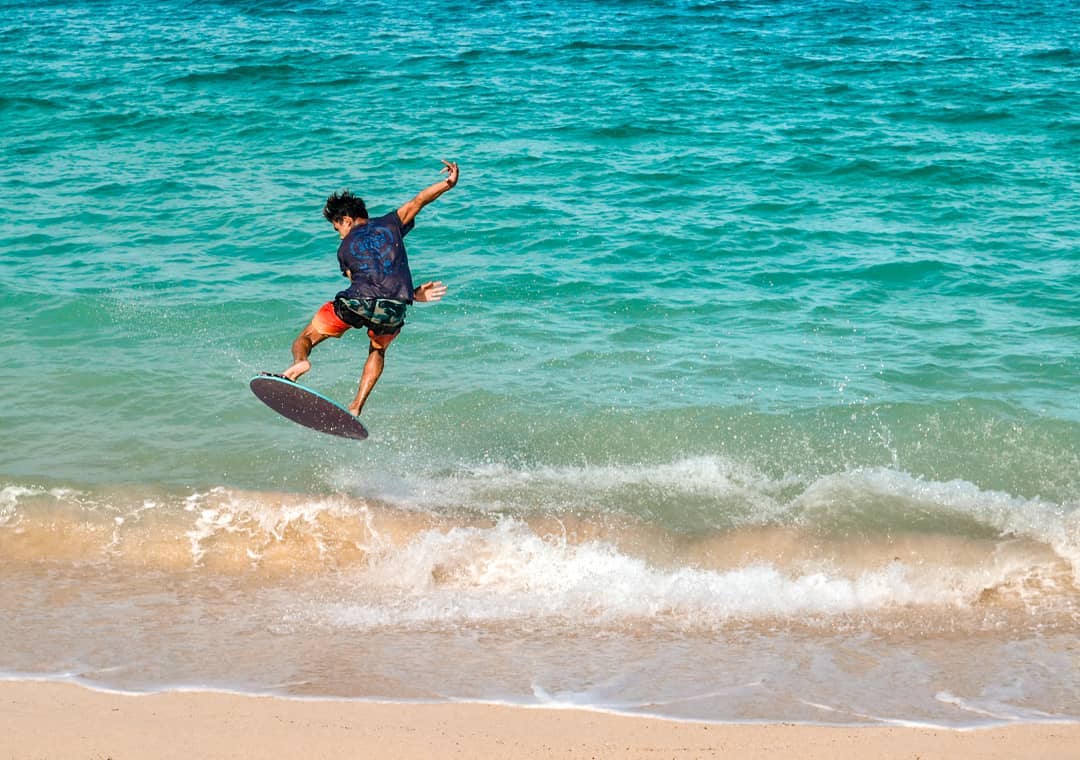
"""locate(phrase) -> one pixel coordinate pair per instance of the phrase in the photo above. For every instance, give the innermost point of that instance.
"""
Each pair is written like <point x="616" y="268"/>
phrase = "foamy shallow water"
<point x="339" y="596"/>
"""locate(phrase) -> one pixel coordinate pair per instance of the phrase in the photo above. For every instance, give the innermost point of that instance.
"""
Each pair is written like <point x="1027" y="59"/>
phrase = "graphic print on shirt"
<point x="374" y="251"/>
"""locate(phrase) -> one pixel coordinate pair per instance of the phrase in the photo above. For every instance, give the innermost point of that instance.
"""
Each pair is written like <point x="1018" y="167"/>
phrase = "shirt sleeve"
<point x="403" y="227"/>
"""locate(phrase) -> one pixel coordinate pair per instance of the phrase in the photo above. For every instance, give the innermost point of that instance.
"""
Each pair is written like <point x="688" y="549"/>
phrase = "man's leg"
<point x="301" y="350"/>
<point x="373" y="368"/>
<point x="325" y="324"/>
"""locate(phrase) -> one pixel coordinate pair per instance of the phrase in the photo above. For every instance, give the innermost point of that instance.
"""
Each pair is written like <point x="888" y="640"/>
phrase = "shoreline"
<point x="42" y="719"/>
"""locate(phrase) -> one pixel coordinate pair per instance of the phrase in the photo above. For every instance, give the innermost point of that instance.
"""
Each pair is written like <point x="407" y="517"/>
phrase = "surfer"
<point x="372" y="255"/>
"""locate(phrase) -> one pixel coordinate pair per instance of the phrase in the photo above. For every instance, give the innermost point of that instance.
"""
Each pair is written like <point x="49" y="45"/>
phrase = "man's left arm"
<point x="429" y="292"/>
<point x="409" y="211"/>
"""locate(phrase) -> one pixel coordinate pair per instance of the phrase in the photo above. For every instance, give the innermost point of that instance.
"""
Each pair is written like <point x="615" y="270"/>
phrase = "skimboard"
<point x="306" y="407"/>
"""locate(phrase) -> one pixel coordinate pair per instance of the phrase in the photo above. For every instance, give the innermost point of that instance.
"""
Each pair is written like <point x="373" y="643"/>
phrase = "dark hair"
<point x="343" y="204"/>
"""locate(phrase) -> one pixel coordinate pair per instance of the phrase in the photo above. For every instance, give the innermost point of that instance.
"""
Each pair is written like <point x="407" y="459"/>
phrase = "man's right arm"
<point x="409" y="211"/>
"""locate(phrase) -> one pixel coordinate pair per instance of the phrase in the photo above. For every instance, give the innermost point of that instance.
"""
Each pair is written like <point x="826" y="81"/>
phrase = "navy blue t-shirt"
<point x="374" y="255"/>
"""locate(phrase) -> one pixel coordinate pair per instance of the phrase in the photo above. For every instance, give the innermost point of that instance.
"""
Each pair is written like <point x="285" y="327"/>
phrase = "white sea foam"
<point x="520" y="565"/>
<point x="11" y="497"/>
<point x="265" y="521"/>
<point x="738" y="495"/>
<point x="9" y="501"/>
<point x="508" y="572"/>
<point x="996" y="709"/>
<point x="1056" y="525"/>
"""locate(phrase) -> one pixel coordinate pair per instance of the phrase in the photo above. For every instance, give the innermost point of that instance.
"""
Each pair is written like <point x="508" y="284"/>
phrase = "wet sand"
<point x="55" y="720"/>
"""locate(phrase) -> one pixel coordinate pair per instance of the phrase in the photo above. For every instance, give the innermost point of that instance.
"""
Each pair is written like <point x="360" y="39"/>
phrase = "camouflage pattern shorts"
<point x="382" y="316"/>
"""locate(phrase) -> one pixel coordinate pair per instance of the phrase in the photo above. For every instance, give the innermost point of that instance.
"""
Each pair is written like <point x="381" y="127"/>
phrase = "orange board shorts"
<point x="327" y="322"/>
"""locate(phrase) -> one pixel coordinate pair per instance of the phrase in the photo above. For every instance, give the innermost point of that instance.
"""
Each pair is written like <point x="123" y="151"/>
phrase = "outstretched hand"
<point x="429" y="292"/>
<point x="451" y="169"/>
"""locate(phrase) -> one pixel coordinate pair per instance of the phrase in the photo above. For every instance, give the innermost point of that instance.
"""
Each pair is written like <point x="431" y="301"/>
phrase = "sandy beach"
<point x="55" y="720"/>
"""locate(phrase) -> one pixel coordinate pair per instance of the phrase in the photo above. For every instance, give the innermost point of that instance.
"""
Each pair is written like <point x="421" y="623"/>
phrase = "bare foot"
<point x="354" y="410"/>
<point x="295" y="371"/>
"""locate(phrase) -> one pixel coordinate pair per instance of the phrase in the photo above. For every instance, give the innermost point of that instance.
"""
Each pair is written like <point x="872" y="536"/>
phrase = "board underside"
<point x="307" y="407"/>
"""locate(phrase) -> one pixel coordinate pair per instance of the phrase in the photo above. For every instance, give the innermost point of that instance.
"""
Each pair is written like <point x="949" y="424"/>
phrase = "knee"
<point x="312" y="335"/>
<point x="380" y="343"/>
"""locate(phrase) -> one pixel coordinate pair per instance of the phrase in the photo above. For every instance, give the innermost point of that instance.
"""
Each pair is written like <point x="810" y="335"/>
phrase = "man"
<point x="372" y="255"/>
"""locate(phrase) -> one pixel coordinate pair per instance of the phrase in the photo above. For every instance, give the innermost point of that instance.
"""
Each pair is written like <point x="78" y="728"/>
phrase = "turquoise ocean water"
<point x="754" y="395"/>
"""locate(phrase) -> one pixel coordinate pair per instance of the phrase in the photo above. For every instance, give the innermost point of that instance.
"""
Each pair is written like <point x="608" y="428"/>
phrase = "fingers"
<point x="430" y="291"/>
<point x="451" y="169"/>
